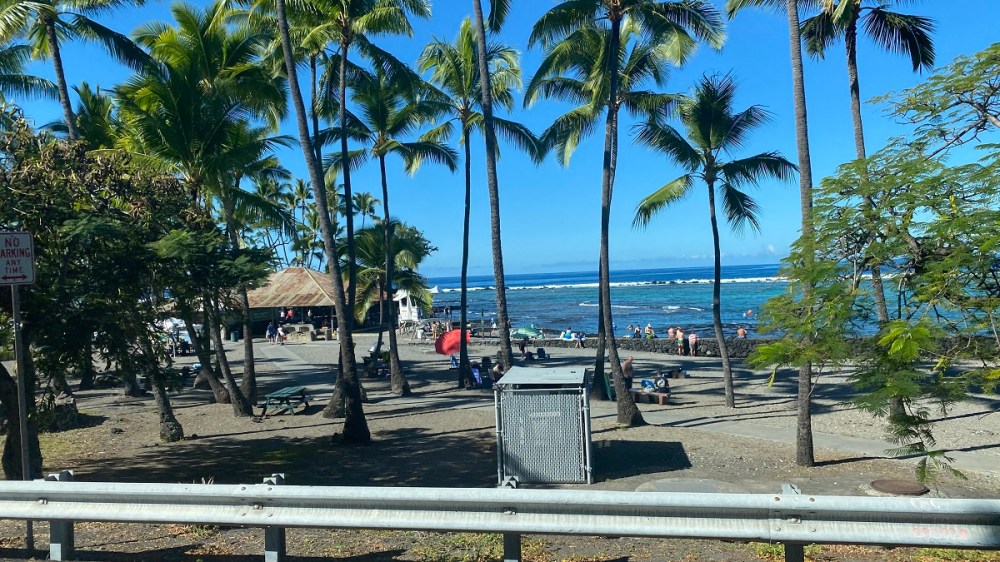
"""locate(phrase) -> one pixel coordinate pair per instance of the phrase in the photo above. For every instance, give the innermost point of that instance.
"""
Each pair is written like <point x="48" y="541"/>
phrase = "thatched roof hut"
<point x="294" y="286"/>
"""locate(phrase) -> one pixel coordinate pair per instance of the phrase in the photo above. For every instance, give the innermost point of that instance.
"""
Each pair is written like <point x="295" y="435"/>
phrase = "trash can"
<point x="543" y="426"/>
<point x="234" y="335"/>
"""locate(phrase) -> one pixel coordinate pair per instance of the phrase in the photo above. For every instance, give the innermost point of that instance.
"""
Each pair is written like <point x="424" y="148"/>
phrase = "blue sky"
<point x="550" y="214"/>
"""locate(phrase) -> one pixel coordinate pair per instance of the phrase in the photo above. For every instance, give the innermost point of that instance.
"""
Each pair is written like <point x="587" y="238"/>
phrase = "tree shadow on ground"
<point x="621" y="459"/>
<point x="418" y="456"/>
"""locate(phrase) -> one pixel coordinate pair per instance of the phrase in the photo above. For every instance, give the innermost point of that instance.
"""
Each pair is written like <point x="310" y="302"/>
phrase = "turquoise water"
<point x="661" y="297"/>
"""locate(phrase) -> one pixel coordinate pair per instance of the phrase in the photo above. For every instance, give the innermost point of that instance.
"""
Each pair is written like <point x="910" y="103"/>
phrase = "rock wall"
<point x="738" y="348"/>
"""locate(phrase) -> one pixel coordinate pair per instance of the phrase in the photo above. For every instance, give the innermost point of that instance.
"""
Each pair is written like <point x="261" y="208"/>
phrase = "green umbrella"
<point x="528" y="332"/>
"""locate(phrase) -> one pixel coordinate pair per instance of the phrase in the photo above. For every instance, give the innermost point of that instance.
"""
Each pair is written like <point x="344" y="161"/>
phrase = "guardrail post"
<point x="274" y="537"/>
<point x="512" y="547"/>
<point x="60" y="531"/>
<point x="794" y="552"/>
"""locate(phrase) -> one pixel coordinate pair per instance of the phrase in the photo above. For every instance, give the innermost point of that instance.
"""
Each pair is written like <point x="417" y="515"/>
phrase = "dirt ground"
<point x="445" y="437"/>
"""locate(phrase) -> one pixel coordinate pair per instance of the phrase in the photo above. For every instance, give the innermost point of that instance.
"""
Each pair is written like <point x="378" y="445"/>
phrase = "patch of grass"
<point x="776" y="551"/>
<point x="955" y="555"/>
<point x="284" y="455"/>
<point x="473" y="547"/>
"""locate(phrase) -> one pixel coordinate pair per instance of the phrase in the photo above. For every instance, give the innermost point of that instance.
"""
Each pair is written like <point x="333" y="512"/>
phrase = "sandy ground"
<point x="444" y="436"/>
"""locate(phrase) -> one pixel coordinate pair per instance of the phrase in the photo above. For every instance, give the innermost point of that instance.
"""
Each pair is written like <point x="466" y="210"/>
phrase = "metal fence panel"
<point x="543" y="435"/>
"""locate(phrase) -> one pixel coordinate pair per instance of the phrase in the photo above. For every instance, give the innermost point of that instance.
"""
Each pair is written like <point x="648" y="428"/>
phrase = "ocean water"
<point x="661" y="297"/>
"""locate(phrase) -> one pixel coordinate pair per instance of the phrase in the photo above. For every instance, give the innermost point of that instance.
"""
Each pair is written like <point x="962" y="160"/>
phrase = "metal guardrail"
<point x="784" y="518"/>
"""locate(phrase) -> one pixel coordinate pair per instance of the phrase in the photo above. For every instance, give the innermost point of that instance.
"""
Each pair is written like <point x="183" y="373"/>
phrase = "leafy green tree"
<point x="901" y="33"/>
<point x="930" y="217"/>
<point x="804" y="454"/>
<point x="45" y="23"/>
<point x="92" y="216"/>
<point x="955" y="105"/>
<point x="391" y="114"/>
<point x="713" y="131"/>
<point x="584" y="39"/>
<point x="455" y="71"/>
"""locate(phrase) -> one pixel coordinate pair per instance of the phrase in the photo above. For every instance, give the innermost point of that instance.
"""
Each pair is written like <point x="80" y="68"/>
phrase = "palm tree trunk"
<point x="628" y="412"/>
<point x="602" y="343"/>
<point x="727" y="371"/>
<point x="464" y="367"/>
<point x="492" y="186"/>
<point x="60" y="74"/>
<point x="241" y="408"/>
<point x="804" y="455"/>
<point x="201" y="350"/>
<point x="315" y="111"/>
<point x="851" y="44"/>
<point x="248" y="385"/>
<point x="11" y="456"/>
<point x="348" y="390"/>
<point x="352" y="259"/>
<point x="397" y="380"/>
<point x="380" y="285"/>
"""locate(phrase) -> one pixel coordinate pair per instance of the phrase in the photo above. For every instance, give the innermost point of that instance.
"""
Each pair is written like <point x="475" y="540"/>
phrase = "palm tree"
<point x="350" y="23"/>
<point x="187" y="113"/>
<point x="899" y="33"/>
<point x="804" y="454"/>
<point x="409" y="249"/>
<point x="498" y="13"/>
<point x="46" y="22"/>
<point x="249" y="153"/>
<point x="713" y="130"/>
<point x="355" y="426"/>
<point x="596" y="27"/>
<point x="13" y="80"/>
<point x="392" y="113"/>
<point x="455" y="71"/>
<point x="364" y="205"/>
<point x="97" y="122"/>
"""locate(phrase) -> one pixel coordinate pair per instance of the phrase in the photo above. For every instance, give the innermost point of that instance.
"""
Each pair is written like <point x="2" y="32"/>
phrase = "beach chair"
<point x="454" y="362"/>
<point x="540" y="353"/>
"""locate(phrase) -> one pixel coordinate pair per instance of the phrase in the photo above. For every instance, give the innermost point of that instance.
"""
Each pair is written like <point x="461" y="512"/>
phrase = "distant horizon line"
<point x="613" y="270"/>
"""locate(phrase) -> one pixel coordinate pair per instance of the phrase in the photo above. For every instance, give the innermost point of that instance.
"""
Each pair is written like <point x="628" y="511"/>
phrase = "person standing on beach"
<point x="271" y="333"/>
<point x="741" y="332"/>
<point x="680" y="341"/>
<point x="627" y="372"/>
<point x="649" y="331"/>
<point x="671" y="333"/>
<point x="693" y="344"/>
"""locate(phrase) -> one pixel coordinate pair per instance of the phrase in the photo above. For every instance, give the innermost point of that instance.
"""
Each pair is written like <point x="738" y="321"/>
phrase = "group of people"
<point x="275" y="334"/>
<point x="685" y="346"/>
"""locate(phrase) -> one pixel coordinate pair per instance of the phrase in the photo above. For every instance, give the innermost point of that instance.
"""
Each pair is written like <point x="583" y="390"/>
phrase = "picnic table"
<point x="285" y="400"/>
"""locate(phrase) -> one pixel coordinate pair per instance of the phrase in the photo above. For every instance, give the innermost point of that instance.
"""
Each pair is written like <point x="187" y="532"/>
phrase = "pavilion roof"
<point x="294" y="286"/>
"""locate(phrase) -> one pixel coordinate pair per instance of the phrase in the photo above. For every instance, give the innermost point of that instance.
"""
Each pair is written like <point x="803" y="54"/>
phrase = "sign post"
<point x="17" y="267"/>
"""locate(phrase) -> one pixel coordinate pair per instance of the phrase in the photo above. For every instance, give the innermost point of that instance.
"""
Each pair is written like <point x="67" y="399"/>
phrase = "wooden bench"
<point x="285" y="400"/>
<point x="661" y="397"/>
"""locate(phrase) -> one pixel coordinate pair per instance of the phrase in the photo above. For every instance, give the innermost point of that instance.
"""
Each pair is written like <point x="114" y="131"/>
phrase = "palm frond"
<point x="741" y="210"/>
<point x="655" y="202"/>
<point x="902" y="34"/>
<point x="663" y="138"/>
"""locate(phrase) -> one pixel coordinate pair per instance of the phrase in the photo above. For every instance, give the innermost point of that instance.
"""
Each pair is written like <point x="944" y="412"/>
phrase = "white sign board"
<point x="17" y="258"/>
